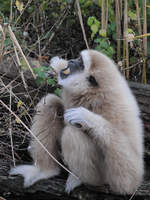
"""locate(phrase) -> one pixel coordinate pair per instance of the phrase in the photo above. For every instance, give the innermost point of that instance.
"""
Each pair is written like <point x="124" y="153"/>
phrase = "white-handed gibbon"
<point x="96" y="122"/>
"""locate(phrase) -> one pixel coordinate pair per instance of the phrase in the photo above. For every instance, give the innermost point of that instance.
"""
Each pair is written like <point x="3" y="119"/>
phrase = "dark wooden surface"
<point x="12" y="188"/>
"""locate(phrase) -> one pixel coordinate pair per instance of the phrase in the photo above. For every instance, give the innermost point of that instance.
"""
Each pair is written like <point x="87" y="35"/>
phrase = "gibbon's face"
<point x="76" y="76"/>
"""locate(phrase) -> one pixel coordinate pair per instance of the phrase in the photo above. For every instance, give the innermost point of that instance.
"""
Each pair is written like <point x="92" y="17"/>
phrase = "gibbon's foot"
<point x="79" y="117"/>
<point x="72" y="183"/>
<point x="32" y="173"/>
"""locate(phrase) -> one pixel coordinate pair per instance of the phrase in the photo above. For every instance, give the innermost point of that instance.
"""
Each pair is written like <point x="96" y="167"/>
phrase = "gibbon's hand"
<point x="78" y="117"/>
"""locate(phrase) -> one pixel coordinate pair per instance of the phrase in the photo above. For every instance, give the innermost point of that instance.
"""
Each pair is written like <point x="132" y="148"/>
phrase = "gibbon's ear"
<point x="92" y="81"/>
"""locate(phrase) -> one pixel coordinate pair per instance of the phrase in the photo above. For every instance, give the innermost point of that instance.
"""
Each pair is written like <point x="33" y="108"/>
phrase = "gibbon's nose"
<point x="74" y="66"/>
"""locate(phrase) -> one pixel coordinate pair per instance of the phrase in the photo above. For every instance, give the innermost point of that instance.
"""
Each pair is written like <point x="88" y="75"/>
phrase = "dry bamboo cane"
<point x="139" y="25"/>
<point x="118" y="29"/>
<point x="106" y="15"/>
<point x="125" y="48"/>
<point x="103" y="15"/>
<point x="144" y="79"/>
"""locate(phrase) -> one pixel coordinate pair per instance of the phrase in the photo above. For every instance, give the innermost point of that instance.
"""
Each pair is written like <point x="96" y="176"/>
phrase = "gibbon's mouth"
<point x="74" y="66"/>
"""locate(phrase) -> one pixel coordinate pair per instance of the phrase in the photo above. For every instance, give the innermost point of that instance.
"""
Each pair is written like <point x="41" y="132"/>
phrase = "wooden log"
<point x="54" y="188"/>
<point x="142" y="94"/>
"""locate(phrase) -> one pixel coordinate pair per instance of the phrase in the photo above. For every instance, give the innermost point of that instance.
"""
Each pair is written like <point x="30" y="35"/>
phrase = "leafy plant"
<point x="94" y="25"/>
<point x="104" y="46"/>
<point x="43" y="78"/>
<point x="102" y="42"/>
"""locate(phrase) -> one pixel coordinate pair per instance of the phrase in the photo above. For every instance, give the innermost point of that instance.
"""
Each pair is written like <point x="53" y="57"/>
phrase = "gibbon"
<point x="96" y="123"/>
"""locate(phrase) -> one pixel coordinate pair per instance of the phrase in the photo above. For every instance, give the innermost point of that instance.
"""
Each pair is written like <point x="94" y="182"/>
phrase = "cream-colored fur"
<point x="107" y="147"/>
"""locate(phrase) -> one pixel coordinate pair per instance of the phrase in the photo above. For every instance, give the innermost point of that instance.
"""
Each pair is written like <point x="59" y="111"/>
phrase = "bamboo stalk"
<point x="126" y="51"/>
<point x="103" y="14"/>
<point x="118" y="28"/>
<point x="106" y="15"/>
<point x="11" y="5"/>
<point x="141" y="36"/>
<point x="138" y="16"/>
<point x="144" y="79"/>
<point x="139" y="24"/>
<point x="120" y="3"/>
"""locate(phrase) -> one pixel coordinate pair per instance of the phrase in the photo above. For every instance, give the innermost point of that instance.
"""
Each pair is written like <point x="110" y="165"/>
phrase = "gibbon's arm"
<point x="100" y="129"/>
<point x="94" y="125"/>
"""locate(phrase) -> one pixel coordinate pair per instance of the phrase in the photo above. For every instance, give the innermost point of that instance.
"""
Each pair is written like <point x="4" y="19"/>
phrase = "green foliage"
<point x="104" y="46"/>
<point x="94" y="25"/>
<point x="41" y="76"/>
<point x="102" y="41"/>
<point x="4" y="6"/>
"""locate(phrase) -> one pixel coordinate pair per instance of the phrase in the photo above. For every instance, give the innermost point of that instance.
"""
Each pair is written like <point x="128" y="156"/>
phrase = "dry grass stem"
<point x="19" y="63"/>
<point x="14" y="40"/>
<point x="10" y="129"/>
<point x="81" y="23"/>
<point x="2" y="42"/>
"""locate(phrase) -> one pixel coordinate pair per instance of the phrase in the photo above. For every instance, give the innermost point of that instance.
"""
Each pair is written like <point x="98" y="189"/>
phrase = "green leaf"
<point x="58" y="92"/>
<point x="45" y="5"/>
<point x="50" y="81"/>
<point x="90" y="21"/>
<point x="97" y="40"/>
<point x="19" y="5"/>
<point x="103" y="33"/>
<point x="7" y="42"/>
<point x="111" y="50"/>
<point x="132" y="15"/>
<point x="94" y="28"/>
<point x="104" y="44"/>
<point x="39" y="81"/>
<point x="130" y="30"/>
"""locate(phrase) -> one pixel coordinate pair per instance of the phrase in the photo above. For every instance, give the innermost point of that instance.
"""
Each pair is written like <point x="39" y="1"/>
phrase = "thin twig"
<point x="37" y="139"/>
<point x="133" y="194"/>
<point x="29" y="1"/>
<point x="57" y="25"/>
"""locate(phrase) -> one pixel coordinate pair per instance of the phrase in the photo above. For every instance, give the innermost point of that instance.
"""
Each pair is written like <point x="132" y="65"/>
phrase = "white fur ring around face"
<point x="77" y="117"/>
<point x="58" y="64"/>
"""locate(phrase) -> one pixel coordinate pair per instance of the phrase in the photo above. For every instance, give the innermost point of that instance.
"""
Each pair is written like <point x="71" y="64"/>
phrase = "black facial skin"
<point x="75" y="65"/>
<point x="92" y="81"/>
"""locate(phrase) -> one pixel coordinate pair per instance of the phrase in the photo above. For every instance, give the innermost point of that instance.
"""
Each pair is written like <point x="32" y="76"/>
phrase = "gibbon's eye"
<point x="92" y="81"/>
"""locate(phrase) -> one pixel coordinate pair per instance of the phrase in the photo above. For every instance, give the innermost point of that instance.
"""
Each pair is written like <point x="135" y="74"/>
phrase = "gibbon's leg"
<point x="82" y="158"/>
<point x="123" y="157"/>
<point x="47" y="127"/>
